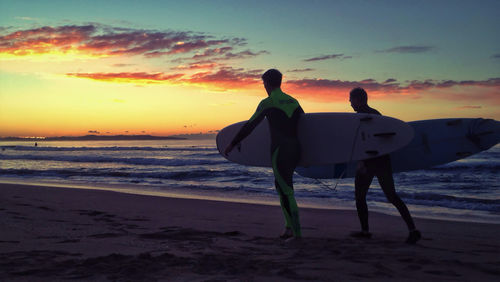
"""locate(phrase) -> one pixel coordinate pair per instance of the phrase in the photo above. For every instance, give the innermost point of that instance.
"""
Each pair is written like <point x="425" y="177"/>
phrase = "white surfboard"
<point x="436" y="142"/>
<point x="325" y="138"/>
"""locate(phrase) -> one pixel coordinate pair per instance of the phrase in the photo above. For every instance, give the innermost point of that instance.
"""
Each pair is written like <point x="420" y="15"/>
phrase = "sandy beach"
<point x="52" y="234"/>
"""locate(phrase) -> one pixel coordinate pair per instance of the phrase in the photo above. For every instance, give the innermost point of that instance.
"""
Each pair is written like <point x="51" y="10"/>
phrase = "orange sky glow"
<point x="81" y="79"/>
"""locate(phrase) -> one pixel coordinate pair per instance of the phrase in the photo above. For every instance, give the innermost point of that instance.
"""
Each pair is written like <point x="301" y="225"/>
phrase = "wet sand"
<point x="52" y="234"/>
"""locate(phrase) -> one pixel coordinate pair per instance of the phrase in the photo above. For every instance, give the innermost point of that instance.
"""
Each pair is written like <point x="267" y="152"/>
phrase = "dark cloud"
<point x="212" y="52"/>
<point x="496" y="56"/>
<point x="94" y="132"/>
<point x="301" y="70"/>
<point x="407" y="49"/>
<point x="337" y="84"/>
<point x="468" y="107"/>
<point x="221" y="54"/>
<point x="327" y="57"/>
<point x="389" y="80"/>
<point x="243" y="54"/>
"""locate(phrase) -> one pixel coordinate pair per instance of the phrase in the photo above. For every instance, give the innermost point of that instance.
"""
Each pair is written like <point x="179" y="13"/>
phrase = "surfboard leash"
<point x="350" y="158"/>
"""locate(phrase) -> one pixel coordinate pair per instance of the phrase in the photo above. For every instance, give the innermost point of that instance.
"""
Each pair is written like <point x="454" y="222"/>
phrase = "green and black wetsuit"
<point x="282" y="112"/>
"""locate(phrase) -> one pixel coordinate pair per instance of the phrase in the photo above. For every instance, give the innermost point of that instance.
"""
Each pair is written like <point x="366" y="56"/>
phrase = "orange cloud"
<point x="130" y="77"/>
<point x="100" y="40"/>
<point x="323" y="90"/>
<point x="45" y="40"/>
<point x="335" y="90"/>
<point x="224" y="79"/>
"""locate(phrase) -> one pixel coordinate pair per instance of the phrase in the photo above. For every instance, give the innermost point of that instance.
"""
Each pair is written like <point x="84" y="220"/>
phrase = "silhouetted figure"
<point x="36" y="144"/>
<point x="380" y="167"/>
<point x="282" y="112"/>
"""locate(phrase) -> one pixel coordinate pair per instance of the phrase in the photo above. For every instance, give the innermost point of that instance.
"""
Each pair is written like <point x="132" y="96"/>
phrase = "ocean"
<point x="465" y="190"/>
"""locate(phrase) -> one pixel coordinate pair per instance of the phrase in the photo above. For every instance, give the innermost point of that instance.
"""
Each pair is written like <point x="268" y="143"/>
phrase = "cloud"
<point x="468" y="107"/>
<point x="212" y="52"/>
<point x="94" y="132"/>
<point x="225" y="78"/>
<point x="26" y="18"/>
<point x="100" y="40"/>
<point x="496" y="56"/>
<point x="301" y="70"/>
<point x="130" y="77"/>
<point x="334" y="90"/>
<point x="327" y="57"/>
<point x="122" y="65"/>
<point x="407" y="49"/>
<point x="196" y="66"/>
<point x="222" y="54"/>
<point x="44" y="40"/>
<point x="243" y="54"/>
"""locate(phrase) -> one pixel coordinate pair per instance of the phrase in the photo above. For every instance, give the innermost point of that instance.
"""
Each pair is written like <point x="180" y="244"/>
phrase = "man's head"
<point x="272" y="80"/>
<point x="358" y="98"/>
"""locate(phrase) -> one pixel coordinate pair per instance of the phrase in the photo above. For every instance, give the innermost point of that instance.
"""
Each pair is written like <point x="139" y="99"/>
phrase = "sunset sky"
<point x="174" y="67"/>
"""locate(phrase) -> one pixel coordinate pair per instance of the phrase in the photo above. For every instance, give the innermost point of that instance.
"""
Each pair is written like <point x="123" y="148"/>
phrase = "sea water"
<point x="464" y="190"/>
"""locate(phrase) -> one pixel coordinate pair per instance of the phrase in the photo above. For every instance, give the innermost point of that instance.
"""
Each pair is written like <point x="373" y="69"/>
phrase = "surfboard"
<point x="436" y="142"/>
<point x="325" y="138"/>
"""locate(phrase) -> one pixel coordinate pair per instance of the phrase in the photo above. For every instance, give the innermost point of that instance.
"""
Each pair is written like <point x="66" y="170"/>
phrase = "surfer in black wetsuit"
<point x="282" y="112"/>
<point x="380" y="167"/>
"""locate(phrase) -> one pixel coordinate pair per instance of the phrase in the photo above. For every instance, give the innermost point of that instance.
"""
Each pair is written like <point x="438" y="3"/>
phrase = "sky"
<point x="179" y="67"/>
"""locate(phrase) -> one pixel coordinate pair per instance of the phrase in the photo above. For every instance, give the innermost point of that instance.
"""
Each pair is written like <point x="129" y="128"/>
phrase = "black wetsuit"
<point x="380" y="167"/>
<point x="282" y="112"/>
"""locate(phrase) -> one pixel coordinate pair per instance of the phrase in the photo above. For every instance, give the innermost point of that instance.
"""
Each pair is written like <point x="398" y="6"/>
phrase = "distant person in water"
<point x="380" y="167"/>
<point x="282" y="112"/>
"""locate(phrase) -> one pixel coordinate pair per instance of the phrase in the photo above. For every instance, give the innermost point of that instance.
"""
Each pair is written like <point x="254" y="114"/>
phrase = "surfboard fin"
<point x="463" y="154"/>
<point x="384" y="134"/>
<point x="372" y="152"/>
<point x="454" y="122"/>
<point x="484" y="133"/>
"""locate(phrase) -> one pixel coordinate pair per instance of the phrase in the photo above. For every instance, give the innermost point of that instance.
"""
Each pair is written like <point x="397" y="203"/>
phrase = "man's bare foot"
<point x="361" y="234"/>
<point x="293" y="241"/>
<point x="287" y="233"/>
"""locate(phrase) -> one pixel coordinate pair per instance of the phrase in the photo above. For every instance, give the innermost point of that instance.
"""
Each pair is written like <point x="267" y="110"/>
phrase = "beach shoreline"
<point x="49" y="233"/>
<point x="259" y="199"/>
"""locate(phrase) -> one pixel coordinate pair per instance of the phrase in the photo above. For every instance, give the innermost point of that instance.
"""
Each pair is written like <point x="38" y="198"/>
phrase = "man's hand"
<point x="228" y="149"/>
<point x="362" y="167"/>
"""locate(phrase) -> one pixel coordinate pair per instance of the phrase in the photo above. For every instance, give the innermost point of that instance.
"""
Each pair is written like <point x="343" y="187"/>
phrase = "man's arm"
<point x="256" y="118"/>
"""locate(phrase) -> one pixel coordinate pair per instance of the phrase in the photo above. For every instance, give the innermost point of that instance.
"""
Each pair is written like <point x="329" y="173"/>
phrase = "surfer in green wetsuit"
<point x="380" y="167"/>
<point x="282" y="112"/>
